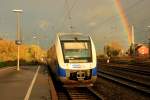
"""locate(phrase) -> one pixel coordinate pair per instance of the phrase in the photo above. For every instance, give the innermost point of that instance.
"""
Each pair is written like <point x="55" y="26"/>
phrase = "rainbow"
<point x="124" y="20"/>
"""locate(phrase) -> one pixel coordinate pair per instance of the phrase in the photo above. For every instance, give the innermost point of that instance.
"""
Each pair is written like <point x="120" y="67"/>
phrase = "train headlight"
<point x="67" y="66"/>
<point x="67" y="73"/>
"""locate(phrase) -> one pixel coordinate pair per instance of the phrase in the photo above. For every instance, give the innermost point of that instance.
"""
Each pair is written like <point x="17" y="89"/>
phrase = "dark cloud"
<point x="96" y="17"/>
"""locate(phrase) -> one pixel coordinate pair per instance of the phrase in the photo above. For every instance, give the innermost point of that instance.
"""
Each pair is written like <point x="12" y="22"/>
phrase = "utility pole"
<point x="132" y="45"/>
<point x="149" y="43"/>
<point x="133" y="42"/>
<point x="18" y="40"/>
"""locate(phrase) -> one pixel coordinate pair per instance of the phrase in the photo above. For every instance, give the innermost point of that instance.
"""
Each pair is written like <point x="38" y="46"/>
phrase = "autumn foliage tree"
<point x="8" y="51"/>
<point x="112" y="49"/>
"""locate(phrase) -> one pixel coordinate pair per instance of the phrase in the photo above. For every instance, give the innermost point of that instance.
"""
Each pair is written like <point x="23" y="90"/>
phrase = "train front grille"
<point x="80" y="75"/>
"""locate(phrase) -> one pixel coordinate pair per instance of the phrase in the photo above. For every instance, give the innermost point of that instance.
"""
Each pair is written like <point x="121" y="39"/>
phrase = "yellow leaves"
<point x="8" y="51"/>
<point x="113" y="49"/>
<point x="115" y="45"/>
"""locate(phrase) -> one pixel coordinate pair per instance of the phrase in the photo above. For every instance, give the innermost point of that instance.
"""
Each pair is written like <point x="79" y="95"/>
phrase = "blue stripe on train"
<point x="94" y="71"/>
<point x="61" y="71"/>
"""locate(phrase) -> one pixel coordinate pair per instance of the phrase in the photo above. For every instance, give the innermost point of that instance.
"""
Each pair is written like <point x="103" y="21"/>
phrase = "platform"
<point x="16" y="85"/>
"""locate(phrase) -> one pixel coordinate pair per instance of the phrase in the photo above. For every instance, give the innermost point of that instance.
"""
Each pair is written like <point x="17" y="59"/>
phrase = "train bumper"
<point x="78" y="83"/>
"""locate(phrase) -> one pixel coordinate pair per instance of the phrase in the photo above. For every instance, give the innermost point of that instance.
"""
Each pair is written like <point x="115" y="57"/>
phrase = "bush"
<point x="3" y="64"/>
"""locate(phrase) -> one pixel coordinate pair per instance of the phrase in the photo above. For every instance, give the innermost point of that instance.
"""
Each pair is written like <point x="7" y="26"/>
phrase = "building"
<point x="142" y="50"/>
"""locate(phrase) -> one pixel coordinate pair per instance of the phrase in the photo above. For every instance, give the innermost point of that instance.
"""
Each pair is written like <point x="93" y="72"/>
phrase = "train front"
<point x="77" y="60"/>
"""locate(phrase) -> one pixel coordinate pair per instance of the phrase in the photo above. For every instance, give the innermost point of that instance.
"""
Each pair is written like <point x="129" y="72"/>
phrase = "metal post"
<point x="18" y="68"/>
<point x="133" y="41"/>
<point x="18" y="41"/>
<point x="18" y="38"/>
<point x="18" y="26"/>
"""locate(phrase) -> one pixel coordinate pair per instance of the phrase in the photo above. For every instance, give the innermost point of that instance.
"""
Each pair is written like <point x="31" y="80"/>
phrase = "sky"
<point x="99" y="18"/>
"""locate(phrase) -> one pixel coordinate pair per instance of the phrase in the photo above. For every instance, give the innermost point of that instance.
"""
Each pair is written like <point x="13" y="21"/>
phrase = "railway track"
<point x="61" y="92"/>
<point x="127" y="61"/>
<point x="125" y="81"/>
<point x="135" y="73"/>
<point x="75" y="93"/>
<point x="138" y="71"/>
<point x="83" y="93"/>
<point x="133" y="68"/>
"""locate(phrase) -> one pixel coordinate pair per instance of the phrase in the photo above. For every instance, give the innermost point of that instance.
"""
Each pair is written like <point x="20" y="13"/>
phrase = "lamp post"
<point x="18" y="40"/>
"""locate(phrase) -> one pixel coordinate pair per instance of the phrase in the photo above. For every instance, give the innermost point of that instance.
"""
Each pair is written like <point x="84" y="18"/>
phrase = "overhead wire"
<point x="68" y="13"/>
<point x="69" y="9"/>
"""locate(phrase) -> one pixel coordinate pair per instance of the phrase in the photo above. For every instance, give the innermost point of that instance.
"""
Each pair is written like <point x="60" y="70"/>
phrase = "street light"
<point x="18" y="41"/>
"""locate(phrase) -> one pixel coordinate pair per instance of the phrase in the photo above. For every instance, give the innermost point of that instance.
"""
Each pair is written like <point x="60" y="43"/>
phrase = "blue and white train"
<point x="73" y="59"/>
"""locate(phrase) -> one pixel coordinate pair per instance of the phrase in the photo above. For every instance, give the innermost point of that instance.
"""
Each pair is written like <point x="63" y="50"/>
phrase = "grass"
<point x="3" y="64"/>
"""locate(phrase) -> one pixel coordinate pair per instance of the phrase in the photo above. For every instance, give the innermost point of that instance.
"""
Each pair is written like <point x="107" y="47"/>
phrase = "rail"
<point x="125" y="81"/>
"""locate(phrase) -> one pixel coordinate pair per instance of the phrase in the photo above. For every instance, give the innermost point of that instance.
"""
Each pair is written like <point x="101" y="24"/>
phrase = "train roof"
<point x="74" y="36"/>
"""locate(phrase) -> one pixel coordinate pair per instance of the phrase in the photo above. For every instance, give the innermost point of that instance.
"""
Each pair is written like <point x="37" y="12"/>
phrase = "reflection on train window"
<point x="77" y="51"/>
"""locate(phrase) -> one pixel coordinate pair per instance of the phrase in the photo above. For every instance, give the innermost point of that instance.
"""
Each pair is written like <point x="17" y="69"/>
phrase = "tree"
<point x="112" y="49"/>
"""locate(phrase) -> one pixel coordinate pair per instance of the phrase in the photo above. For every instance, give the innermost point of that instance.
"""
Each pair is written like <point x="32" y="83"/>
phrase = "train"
<point x="72" y="59"/>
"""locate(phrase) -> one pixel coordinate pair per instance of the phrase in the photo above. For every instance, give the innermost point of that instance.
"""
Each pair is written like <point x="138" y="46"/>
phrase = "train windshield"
<point x="77" y="51"/>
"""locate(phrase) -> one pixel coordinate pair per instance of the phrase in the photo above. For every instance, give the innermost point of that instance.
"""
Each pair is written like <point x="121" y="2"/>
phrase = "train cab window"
<point x="77" y="51"/>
